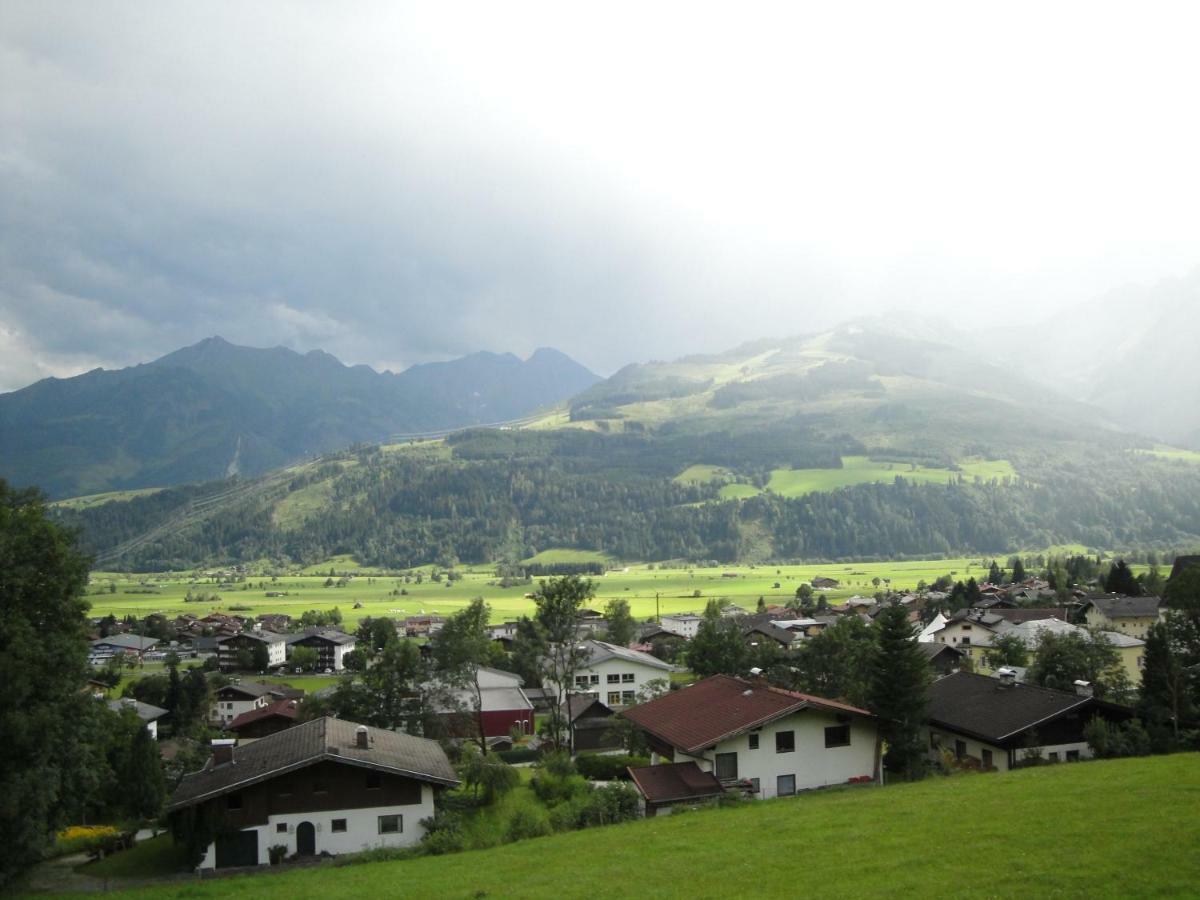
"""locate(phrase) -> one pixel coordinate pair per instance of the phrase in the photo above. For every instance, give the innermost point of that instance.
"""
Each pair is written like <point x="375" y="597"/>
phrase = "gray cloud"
<point x="396" y="186"/>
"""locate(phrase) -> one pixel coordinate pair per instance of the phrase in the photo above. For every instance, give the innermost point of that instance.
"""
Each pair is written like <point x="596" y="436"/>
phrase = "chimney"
<point x="1007" y="676"/>
<point x="222" y="751"/>
<point x="129" y="702"/>
<point x="360" y="737"/>
<point x="757" y="678"/>
<point x="1083" y="688"/>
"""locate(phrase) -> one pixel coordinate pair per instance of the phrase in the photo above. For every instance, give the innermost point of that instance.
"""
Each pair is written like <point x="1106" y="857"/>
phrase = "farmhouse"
<point x="997" y="722"/>
<point x="615" y="674"/>
<point x="324" y="787"/>
<point x="233" y="700"/>
<point x="824" y="584"/>
<point x="1131" y="616"/>
<point x="265" y="720"/>
<point x="770" y="741"/>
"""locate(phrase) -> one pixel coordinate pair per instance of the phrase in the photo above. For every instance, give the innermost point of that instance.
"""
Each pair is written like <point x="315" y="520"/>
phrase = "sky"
<point x="399" y="183"/>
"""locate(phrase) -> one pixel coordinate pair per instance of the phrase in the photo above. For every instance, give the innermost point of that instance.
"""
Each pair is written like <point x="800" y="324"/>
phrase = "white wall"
<point x="684" y="626"/>
<point x="225" y="711"/>
<point x="362" y="830"/>
<point x="813" y="764"/>
<point x="641" y="672"/>
<point x="975" y="748"/>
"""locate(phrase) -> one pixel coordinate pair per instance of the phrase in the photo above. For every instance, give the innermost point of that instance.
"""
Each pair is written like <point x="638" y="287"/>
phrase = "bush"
<point x="81" y="838"/>
<point x="558" y="762"/>
<point x="553" y="789"/>
<point x="519" y="755"/>
<point x="443" y="834"/>
<point x="608" y="768"/>
<point x="527" y="822"/>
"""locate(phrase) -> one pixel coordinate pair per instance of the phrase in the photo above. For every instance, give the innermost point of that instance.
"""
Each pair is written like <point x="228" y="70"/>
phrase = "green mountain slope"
<point x="215" y="409"/>
<point x="1120" y="828"/>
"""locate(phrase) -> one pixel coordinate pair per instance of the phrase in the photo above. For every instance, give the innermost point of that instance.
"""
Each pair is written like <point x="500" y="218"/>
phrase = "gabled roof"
<point x="933" y="650"/>
<point x="126" y="642"/>
<point x="328" y="636"/>
<point x="1125" y="607"/>
<point x="1030" y="632"/>
<point x="980" y="706"/>
<point x="1017" y="616"/>
<point x="267" y="637"/>
<point x="675" y="782"/>
<point x="260" y="689"/>
<point x="772" y="631"/>
<point x="585" y="705"/>
<point x="598" y="651"/>
<point x="707" y="712"/>
<point x="320" y="740"/>
<point x="147" y="712"/>
<point x="284" y="709"/>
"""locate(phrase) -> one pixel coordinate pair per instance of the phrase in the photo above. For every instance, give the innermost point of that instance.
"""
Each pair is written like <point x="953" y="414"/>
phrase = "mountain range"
<point x="214" y="409"/>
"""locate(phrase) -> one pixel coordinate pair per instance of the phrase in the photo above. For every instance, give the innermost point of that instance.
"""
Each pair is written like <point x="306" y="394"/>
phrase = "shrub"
<point x="608" y="768"/>
<point x="519" y="755"/>
<point x="553" y="789"/>
<point x="558" y="762"/>
<point x="527" y="822"/>
<point x="443" y="834"/>
<point x="81" y="838"/>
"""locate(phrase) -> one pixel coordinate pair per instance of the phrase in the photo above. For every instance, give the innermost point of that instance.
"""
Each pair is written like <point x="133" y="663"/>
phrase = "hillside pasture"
<point x="108" y="497"/>
<point x="864" y="470"/>
<point x="1118" y="828"/>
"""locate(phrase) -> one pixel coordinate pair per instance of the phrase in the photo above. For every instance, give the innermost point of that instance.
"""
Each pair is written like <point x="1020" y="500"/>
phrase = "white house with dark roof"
<point x="147" y="712"/>
<point x="614" y="675"/>
<point x="324" y="787"/>
<point x="233" y="700"/>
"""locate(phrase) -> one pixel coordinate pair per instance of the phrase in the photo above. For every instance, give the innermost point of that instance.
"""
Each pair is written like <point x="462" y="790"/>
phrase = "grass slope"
<point x="1119" y="828"/>
<point x="864" y="470"/>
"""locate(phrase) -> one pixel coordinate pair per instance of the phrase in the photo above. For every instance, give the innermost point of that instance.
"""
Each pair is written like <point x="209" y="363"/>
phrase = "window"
<point x="281" y="828"/>
<point x="614" y="679"/>
<point x="1072" y="756"/>
<point x="754" y="785"/>
<point x="960" y="749"/>
<point x="987" y="759"/>
<point x="726" y="767"/>
<point x="595" y="679"/>
<point x="754" y="741"/>
<point x="391" y="824"/>
<point x="233" y="801"/>
<point x="785" y="741"/>
<point x="581" y="681"/>
<point x="338" y="825"/>
<point x="628" y="697"/>
<point x="966" y="641"/>
<point x="935" y="741"/>
<point x="614" y="698"/>
<point x="374" y="781"/>
<point x="627" y="677"/>
<point x="837" y="736"/>
<point x="1053" y="757"/>
<point x="785" y="785"/>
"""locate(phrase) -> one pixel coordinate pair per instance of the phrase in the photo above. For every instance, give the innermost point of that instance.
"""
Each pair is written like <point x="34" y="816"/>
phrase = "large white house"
<point x="327" y="786"/>
<point x="614" y="675"/>
<point x="768" y="741"/>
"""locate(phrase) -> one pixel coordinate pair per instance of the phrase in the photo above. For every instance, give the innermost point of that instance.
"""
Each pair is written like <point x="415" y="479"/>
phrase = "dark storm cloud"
<point x="402" y="184"/>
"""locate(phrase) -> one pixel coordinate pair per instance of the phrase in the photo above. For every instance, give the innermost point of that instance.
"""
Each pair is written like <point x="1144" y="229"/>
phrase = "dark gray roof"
<point x="596" y="652"/>
<point x="931" y="649"/>
<point x="1126" y="607"/>
<point x="126" y="641"/>
<point x="772" y="631"/>
<point x="147" y="712"/>
<point x="332" y="637"/>
<point x="981" y="706"/>
<point x="267" y="637"/>
<point x="315" y="741"/>
<point x="259" y="689"/>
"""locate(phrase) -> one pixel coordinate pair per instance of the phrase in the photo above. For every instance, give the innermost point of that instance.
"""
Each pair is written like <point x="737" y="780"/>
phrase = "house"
<point x="147" y="712"/>
<point x="232" y="700"/>
<point x="770" y="633"/>
<point x="942" y="658"/>
<point x="930" y="631"/>
<point x="277" y="622"/>
<point x="656" y="640"/>
<point x="683" y="624"/>
<point x="1130" y="616"/>
<point x="325" y="787"/>
<point x="824" y="584"/>
<point x="774" y="741"/>
<point x="1131" y="650"/>
<point x="997" y="722"/>
<point x="502" y="706"/>
<point x="664" y="787"/>
<point x="105" y="648"/>
<point x="265" y="720"/>
<point x="615" y="674"/>
<point x="331" y="646"/>
<point x="230" y="647"/>
<point x="592" y="725"/>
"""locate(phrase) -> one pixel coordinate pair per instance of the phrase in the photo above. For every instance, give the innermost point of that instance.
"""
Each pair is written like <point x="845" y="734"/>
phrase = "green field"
<point x="1121" y="828"/>
<point x="639" y="584"/>
<point x="702" y="474"/>
<point x="107" y="497"/>
<point x="864" y="470"/>
<point x="1174" y="453"/>
<point x="561" y="556"/>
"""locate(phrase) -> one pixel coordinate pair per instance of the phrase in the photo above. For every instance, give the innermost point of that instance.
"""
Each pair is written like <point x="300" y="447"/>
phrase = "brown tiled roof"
<point x="676" y="781"/>
<point x="702" y="714"/>
<point x="303" y="745"/>
<point x="286" y="709"/>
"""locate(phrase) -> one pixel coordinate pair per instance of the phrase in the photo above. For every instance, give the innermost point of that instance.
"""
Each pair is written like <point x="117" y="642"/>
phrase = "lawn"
<point x="648" y="588"/>
<point x="565" y="555"/>
<point x="1118" y="828"/>
<point x="150" y="858"/>
<point x="864" y="470"/>
<point x="1174" y="453"/>
<point x="108" y="497"/>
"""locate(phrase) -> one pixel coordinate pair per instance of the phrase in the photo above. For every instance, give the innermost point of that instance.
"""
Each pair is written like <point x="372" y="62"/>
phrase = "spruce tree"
<point x="1121" y="581"/>
<point x="899" y="692"/>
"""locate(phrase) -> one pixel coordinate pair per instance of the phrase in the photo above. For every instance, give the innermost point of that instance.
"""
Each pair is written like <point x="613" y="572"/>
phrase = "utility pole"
<point x="657" y="614"/>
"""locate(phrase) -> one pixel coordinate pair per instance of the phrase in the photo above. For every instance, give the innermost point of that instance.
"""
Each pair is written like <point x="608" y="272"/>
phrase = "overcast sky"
<point x="620" y="181"/>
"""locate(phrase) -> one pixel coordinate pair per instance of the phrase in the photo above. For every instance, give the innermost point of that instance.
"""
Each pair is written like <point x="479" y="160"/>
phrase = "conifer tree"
<point x="899" y="692"/>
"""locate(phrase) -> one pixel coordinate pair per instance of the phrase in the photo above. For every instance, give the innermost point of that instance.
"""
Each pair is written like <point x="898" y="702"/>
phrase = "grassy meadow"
<point x="1119" y="828"/>
<point x="646" y="587"/>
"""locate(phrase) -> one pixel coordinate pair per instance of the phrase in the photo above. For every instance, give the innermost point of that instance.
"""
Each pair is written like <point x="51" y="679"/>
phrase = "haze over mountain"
<point x="215" y="409"/>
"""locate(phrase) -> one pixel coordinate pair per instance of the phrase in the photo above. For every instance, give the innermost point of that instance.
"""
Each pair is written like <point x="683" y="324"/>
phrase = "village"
<point x="423" y="722"/>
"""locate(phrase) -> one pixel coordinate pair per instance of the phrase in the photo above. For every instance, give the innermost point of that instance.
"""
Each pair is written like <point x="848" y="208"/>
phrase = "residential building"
<point x="230" y="646"/>
<point x="233" y="700"/>
<point x="998" y="722"/>
<point x="683" y="624"/>
<point x="943" y="658"/>
<point x="331" y="646"/>
<point x="768" y="741"/>
<point x="265" y="720"/>
<point x="768" y="633"/>
<point x="1131" y="650"/>
<point x="500" y="706"/>
<point x="327" y="786"/>
<point x="1130" y="616"/>
<point x="147" y="712"/>
<point x="614" y="675"/>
